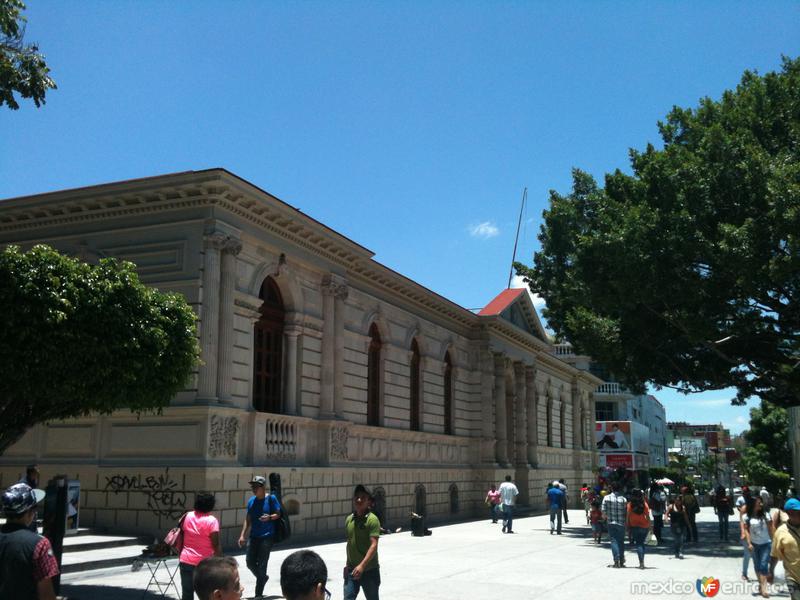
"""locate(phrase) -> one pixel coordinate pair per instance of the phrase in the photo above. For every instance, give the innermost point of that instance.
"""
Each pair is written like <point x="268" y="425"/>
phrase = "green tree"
<point x="77" y="339"/>
<point x="22" y="68"/>
<point x="686" y="272"/>
<point x="769" y="428"/>
<point x="755" y="465"/>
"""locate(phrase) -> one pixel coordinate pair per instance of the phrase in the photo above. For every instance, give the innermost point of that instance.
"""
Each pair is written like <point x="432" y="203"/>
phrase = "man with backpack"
<point x="262" y="511"/>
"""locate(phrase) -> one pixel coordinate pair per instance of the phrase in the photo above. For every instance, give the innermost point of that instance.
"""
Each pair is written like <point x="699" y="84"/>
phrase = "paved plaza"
<point x="475" y="561"/>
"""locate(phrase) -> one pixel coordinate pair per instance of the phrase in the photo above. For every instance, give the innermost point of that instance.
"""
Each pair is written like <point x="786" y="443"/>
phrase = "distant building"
<point x="614" y="402"/>
<point x="716" y="435"/>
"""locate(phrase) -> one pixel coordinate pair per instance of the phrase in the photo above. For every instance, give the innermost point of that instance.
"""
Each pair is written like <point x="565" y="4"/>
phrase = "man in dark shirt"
<point x="27" y="563"/>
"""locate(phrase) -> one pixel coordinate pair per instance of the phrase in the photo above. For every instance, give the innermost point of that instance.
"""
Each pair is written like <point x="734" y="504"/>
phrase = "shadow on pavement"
<point x="708" y="544"/>
<point x="107" y="592"/>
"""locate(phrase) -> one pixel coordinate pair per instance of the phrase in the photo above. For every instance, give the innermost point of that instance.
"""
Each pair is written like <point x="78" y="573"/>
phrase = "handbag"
<point x="174" y="537"/>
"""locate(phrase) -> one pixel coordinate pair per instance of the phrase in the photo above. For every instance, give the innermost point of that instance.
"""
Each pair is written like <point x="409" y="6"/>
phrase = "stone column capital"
<point x="215" y="240"/>
<point x="335" y="285"/>
<point x="231" y="246"/>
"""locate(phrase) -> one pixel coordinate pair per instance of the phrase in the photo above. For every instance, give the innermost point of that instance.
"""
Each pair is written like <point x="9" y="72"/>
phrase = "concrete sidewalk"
<point x="475" y="561"/>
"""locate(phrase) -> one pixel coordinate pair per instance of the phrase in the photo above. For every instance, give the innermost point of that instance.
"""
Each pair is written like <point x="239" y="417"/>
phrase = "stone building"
<point x="319" y="363"/>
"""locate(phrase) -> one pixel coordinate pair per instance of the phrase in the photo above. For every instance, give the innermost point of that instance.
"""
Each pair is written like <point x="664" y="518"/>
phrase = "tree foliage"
<point x="77" y="339"/>
<point x="756" y="467"/>
<point x="769" y="429"/>
<point x="686" y="272"/>
<point x="22" y="68"/>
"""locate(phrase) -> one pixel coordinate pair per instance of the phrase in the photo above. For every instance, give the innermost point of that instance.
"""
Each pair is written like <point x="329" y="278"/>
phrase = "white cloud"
<point x="712" y="402"/>
<point x="484" y="230"/>
<point x="538" y="301"/>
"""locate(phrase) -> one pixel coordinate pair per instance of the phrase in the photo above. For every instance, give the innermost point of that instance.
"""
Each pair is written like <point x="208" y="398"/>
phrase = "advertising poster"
<point x="613" y="436"/>
<point x="73" y="505"/>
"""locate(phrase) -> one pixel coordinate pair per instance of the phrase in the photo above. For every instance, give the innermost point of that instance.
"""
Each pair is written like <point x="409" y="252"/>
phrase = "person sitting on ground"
<point x="217" y="578"/>
<point x="303" y="576"/>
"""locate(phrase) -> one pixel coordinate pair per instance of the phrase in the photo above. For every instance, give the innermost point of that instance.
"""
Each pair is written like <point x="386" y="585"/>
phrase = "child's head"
<point x="303" y="576"/>
<point x="217" y="578"/>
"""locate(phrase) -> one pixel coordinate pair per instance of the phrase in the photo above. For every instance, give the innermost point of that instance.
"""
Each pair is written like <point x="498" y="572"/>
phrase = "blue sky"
<point x="411" y="127"/>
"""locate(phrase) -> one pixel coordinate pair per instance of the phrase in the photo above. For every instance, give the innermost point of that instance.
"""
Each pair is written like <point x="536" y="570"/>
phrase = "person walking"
<point x="692" y="508"/>
<point x="362" y="529"/>
<point x="743" y="505"/>
<point x="766" y="497"/>
<point x="759" y="531"/>
<point x="258" y="530"/>
<point x="786" y="548"/>
<point x="493" y="501"/>
<point x="508" y="495"/>
<point x="615" y="514"/>
<point x="678" y="524"/>
<point x="27" y="564"/>
<point x="596" y="519"/>
<point x="564" y="501"/>
<point x="555" y="499"/>
<point x="724" y="509"/>
<point x="658" y="504"/>
<point x="586" y="501"/>
<point x="200" y="540"/>
<point x="638" y="522"/>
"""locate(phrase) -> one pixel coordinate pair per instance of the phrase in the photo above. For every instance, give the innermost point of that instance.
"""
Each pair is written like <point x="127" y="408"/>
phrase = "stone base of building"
<point x="149" y="500"/>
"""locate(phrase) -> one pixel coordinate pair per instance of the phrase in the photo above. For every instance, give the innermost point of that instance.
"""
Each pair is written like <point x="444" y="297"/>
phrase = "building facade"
<point x="318" y="363"/>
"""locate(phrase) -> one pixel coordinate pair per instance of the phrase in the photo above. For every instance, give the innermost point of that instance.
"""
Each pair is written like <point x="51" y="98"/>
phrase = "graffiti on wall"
<point x="163" y="496"/>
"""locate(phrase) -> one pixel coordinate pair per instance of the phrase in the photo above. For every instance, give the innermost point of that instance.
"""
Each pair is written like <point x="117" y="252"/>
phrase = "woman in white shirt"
<point x="758" y="531"/>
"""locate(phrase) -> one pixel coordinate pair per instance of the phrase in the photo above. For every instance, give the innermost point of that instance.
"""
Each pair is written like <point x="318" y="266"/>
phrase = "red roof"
<point x="501" y="302"/>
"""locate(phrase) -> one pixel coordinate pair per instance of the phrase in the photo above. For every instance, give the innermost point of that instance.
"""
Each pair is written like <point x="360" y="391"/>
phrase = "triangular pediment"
<point x="515" y="306"/>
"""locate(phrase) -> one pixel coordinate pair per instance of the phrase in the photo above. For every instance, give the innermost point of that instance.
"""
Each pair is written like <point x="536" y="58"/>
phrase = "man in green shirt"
<point x="363" y="530"/>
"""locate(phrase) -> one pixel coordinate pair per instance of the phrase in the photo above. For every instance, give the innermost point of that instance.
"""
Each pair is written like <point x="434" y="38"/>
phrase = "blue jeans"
<point x="493" y="512"/>
<point x="723" y="516"/>
<point x="616" y="534"/>
<point x="370" y="581"/>
<point x="257" y="559"/>
<point x="761" y="558"/>
<point x="639" y="535"/>
<point x="555" y="513"/>
<point x="679" y="532"/>
<point x="745" y="558"/>
<point x="508" y="516"/>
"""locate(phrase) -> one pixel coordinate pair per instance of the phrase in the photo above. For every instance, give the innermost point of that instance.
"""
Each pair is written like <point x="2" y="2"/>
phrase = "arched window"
<point x="549" y="405"/>
<point x="563" y="425"/>
<point x="374" y="377"/>
<point x="414" y="384"/>
<point x="268" y="350"/>
<point x="448" y="394"/>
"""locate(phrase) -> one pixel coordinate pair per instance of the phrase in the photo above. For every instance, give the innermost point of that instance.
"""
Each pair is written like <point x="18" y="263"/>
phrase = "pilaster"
<point x="209" y="315"/>
<point x="230" y="250"/>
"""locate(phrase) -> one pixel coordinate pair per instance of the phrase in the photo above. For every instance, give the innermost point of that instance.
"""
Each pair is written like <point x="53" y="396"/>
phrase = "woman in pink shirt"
<point x="493" y="501"/>
<point x="200" y="540"/>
